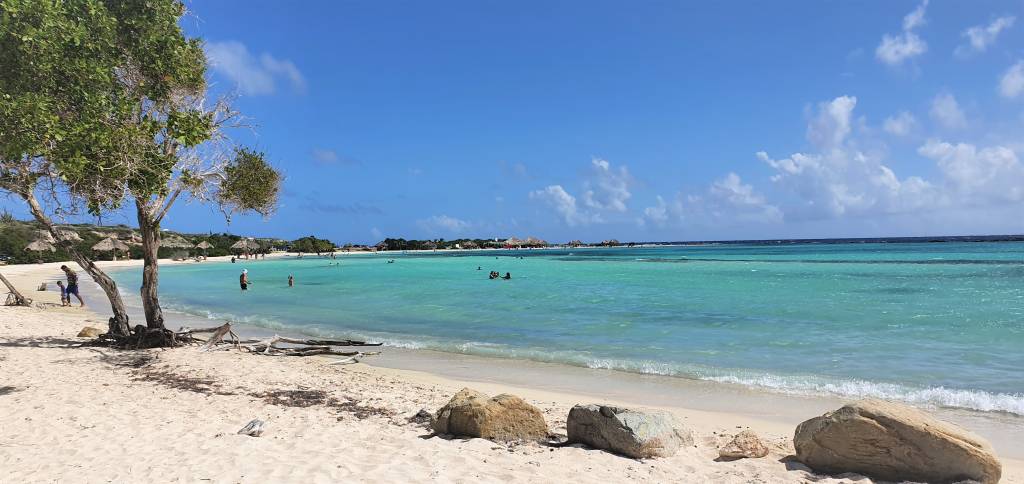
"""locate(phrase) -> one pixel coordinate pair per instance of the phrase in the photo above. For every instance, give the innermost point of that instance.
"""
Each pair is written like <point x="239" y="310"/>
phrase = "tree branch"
<point x="167" y="205"/>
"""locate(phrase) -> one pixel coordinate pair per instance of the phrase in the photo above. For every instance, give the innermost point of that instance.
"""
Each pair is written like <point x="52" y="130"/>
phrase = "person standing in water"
<point x="243" y="280"/>
<point x="291" y="281"/>
<point x="72" y="285"/>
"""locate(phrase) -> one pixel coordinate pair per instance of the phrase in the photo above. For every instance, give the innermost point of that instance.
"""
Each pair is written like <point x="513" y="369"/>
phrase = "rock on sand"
<point x="502" y="418"/>
<point x="896" y="443"/>
<point x="640" y="434"/>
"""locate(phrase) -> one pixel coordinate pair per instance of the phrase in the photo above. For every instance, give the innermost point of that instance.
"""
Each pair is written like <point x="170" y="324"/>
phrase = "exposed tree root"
<point x="222" y="337"/>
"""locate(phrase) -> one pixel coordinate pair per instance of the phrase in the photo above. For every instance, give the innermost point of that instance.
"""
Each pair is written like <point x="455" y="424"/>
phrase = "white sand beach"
<point x="82" y="414"/>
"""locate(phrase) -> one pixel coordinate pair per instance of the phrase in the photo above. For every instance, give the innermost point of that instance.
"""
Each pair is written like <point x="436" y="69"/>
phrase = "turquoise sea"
<point x="938" y="324"/>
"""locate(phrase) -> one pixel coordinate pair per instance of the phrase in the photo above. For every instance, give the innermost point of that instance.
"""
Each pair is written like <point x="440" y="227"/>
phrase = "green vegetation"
<point x="311" y="244"/>
<point x="104" y="102"/>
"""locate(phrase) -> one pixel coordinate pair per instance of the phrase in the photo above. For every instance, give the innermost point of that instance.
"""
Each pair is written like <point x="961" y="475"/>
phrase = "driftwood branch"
<point x="276" y="345"/>
<point x="15" y="298"/>
<point x="218" y="335"/>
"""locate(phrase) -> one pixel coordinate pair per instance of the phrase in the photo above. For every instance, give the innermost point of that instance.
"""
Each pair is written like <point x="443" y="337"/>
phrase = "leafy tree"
<point x="120" y="115"/>
<point x="55" y="112"/>
<point x="312" y="244"/>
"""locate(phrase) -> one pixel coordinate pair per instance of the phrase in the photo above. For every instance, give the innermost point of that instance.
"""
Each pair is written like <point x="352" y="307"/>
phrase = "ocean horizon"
<point x="932" y="324"/>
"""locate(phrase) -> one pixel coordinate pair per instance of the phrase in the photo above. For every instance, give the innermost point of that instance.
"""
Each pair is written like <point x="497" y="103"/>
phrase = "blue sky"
<point x="656" y="120"/>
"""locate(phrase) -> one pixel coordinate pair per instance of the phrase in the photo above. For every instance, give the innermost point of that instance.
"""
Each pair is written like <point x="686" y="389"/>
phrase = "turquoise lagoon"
<point x="938" y="324"/>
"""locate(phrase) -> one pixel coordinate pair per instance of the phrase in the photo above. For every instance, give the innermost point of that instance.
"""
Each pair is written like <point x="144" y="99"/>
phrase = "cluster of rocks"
<point x="875" y="438"/>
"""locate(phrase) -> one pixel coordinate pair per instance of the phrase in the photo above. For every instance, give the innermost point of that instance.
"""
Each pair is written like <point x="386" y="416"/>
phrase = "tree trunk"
<point x="118" y="324"/>
<point x="150" y="266"/>
<point x="18" y="299"/>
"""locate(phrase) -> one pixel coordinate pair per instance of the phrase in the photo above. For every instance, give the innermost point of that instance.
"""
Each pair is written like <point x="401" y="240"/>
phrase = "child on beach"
<point x="64" y="299"/>
<point x="72" y="285"/>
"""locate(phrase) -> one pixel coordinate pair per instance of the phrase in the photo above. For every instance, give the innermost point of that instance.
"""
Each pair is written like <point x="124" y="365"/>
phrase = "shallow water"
<point x="938" y="324"/>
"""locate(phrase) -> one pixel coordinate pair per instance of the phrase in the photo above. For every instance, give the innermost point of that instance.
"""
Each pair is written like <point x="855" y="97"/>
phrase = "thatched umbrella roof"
<point x="535" y="242"/>
<point x="65" y="234"/>
<point x="40" y="245"/>
<point x="512" y="241"/>
<point x="204" y="245"/>
<point x="108" y="244"/>
<point x="175" y="241"/>
<point x="245" y="244"/>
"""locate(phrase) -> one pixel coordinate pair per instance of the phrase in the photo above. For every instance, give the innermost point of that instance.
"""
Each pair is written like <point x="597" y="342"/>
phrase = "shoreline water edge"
<point x="1002" y="415"/>
<point x="707" y="404"/>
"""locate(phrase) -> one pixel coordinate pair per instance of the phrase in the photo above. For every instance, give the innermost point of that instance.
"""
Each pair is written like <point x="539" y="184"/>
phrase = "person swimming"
<point x="507" y="276"/>
<point x="493" y="275"/>
<point x="291" y="281"/>
<point x="243" y="280"/>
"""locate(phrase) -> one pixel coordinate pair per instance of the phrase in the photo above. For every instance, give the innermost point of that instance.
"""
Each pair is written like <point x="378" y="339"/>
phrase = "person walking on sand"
<point x="72" y="285"/>
<point x="243" y="280"/>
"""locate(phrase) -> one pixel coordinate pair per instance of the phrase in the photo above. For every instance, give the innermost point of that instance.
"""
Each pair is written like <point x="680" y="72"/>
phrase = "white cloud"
<point x="947" y="112"/>
<point x="657" y="214"/>
<point x="915" y="18"/>
<point x="443" y="223"/>
<point x="605" y="191"/>
<point x="1012" y="83"/>
<point x="832" y="124"/>
<point x="899" y="125"/>
<point x="563" y="203"/>
<point x="978" y="176"/>
<point x="608" y="189"/>
<point x="254" y="76"/>
<point x="980" y="37"/>
<point x="840" y="179"/>
<point x="730" y="192"/>
<point x="895" y="49"/>
<point x="727" y="201"/>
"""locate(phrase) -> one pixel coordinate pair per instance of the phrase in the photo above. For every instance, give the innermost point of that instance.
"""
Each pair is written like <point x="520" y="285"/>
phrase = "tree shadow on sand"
<point x="43" y="342"/>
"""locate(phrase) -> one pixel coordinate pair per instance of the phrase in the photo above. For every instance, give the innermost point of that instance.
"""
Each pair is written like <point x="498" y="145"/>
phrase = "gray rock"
<point x="640" y="434"/>
<point x="894" y="442"/>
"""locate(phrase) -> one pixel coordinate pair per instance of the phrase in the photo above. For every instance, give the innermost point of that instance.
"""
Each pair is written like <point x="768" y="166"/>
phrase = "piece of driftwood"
<point x="218" y="336"/>
<point x="14" y="298"/>
<point x="305" y="347"/>
<point x="276" y="345"/>
<point x="253" y="429"/>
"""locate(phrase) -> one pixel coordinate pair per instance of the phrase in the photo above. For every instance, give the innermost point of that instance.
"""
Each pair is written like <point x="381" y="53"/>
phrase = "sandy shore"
<point x="77" y="414"/>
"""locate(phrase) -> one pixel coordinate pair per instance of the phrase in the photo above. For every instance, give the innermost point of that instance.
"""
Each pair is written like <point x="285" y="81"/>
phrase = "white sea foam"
<point x="935" y="396"/>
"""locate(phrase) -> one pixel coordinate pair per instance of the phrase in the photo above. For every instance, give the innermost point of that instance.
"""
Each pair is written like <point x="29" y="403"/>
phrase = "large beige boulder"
<point x="502" y="418"/>
<point x="744" y="445"/>
<point x="89" y="332"/>
<point x="896" y="443"/>
<point x="640" y="434"/>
